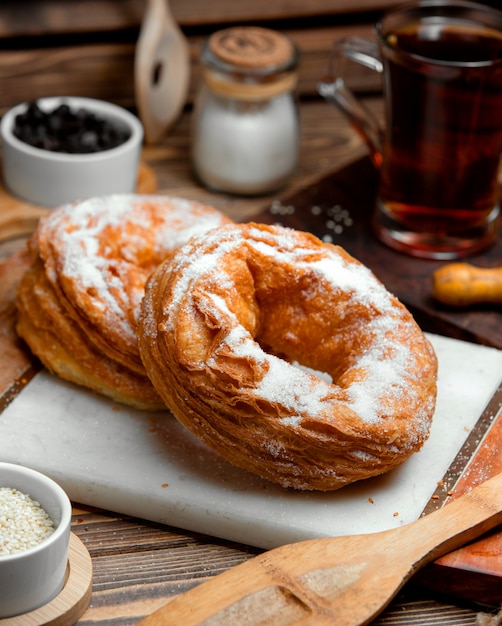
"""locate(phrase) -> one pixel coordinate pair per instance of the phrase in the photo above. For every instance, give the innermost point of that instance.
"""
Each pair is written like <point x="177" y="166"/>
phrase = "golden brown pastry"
<point x="288" y="357"/>
<point x="79" y="302"/>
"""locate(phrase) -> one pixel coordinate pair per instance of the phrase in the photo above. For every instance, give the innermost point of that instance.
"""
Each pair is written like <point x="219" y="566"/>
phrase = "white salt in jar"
<point x="245" y="129"/>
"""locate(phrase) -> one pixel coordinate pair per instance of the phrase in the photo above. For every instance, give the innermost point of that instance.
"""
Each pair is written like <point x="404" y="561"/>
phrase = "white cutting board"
<point x="148" y="466"/>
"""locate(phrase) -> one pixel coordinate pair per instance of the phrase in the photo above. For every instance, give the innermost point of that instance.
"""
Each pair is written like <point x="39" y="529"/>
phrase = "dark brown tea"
<point x="443" y="137"/>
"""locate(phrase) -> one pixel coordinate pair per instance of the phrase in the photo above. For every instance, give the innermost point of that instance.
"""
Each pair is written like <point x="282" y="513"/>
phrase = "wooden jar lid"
<point x="251" y="47"/>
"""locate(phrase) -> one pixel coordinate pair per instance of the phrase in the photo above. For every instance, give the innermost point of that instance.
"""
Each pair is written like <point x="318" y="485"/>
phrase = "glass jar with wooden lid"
<point x="245" y="128"/>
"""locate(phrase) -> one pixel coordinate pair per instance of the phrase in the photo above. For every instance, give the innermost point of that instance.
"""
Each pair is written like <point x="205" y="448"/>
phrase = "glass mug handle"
<point x="333" y="88"/>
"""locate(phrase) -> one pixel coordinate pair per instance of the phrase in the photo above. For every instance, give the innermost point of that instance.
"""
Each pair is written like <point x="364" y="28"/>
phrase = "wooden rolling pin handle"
<point x="461" y="284"/>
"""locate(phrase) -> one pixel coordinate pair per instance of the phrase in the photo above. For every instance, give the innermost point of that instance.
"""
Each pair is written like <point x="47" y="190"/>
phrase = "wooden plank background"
<point x="39" y="17"/>
<point x="86" y="47"/>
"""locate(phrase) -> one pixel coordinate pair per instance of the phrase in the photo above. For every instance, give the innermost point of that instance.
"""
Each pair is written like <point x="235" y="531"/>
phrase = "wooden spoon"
<point x="161" y="70"/>
<point x="345" y="581"/>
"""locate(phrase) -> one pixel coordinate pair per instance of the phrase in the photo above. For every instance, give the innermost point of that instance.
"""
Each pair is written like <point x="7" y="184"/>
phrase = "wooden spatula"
<point x="345" y="581"/>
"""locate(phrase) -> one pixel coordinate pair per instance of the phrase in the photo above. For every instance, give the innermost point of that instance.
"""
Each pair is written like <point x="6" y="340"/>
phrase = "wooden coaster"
<point x="67" y="607"/>
<point x="19" y="218"/>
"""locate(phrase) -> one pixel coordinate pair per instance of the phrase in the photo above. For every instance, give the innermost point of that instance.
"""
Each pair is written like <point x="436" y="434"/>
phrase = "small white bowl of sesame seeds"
<point x="35" y="518"/>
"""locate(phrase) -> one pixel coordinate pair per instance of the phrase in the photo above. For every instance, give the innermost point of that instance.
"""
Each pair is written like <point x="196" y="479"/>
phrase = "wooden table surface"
<point x="139" y="566"/>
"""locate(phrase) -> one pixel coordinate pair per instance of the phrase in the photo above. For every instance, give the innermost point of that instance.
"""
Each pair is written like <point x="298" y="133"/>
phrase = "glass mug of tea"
<point x="438" y="152"/>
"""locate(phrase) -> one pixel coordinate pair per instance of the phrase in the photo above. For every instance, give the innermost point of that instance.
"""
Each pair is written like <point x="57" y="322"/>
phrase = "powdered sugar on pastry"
<point x="91" y="261"/>
<point x="225" y="326"/>
<point x="105" y="248"/>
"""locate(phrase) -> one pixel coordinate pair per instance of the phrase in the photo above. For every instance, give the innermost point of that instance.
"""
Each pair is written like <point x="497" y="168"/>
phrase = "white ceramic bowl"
<point x="31" y="578"/>
<point x="50" y="179"/>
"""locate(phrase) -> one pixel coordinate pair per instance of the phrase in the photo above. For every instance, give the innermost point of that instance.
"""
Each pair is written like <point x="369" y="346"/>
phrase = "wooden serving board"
<point x="474" y="572"/>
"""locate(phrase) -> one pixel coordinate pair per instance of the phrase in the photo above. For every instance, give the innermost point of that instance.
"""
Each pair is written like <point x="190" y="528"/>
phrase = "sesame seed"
<point x="23" y="522"/>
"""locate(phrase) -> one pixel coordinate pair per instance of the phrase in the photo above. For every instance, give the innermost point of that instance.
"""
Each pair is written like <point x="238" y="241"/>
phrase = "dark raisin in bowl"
<point x="67" y="129"/>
